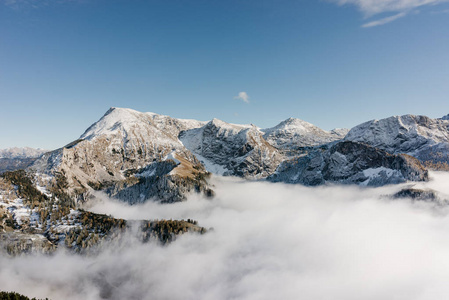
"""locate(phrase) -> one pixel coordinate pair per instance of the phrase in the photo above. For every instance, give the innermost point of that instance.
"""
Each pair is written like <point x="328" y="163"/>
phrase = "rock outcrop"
<point x="350" y="162"/>
<point x="417" y="194"/>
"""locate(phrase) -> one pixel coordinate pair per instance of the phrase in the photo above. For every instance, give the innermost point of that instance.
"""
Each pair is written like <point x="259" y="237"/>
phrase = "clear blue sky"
<point x="63" y="63"/>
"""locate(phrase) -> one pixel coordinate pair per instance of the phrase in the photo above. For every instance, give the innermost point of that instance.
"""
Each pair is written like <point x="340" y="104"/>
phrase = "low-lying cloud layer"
<point x="270" y="241"/>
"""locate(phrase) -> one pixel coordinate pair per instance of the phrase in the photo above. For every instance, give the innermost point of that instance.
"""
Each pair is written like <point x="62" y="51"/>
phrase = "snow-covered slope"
<point x="294" y="133"/>
<point x="115" y="153"/>
<point x="125" y="122"/>
<point x="25" y="152"/>
<point x="420" y="136"/>
<point x="231" y="149"/>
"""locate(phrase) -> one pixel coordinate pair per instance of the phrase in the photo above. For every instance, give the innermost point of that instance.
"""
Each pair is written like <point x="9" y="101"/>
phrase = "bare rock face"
<point x="230" y="149"/>
<point x="349" y="162"/>
<point x="417" y="194"/>
<point x="15" y="243"/>
<point x="420" y="136"/>
<point x="446" y="117"/>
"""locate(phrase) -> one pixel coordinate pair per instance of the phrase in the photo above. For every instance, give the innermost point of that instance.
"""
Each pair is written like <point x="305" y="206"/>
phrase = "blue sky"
<point x="334" y="63"/>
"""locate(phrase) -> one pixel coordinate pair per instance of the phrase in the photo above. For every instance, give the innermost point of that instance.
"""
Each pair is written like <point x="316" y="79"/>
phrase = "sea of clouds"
<point x="269" y="241"/>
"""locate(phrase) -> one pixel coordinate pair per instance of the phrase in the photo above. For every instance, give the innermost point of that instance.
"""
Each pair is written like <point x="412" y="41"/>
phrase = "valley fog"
<point x="268" y="241"/>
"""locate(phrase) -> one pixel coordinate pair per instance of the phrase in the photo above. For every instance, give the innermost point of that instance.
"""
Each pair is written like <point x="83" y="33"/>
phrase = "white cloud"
<point x="444" y="11"/>
<point x="373" y="7"/>
<point x="242" y="96"/>
<point x="384" y="20"/>
<point x="35" y="4"/>
<point x="270" y="241"/>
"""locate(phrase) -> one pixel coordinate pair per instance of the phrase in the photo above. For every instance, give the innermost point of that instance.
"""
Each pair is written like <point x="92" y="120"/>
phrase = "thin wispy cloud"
<point x="371" y="8"/>
<point x="243" y="96"/>
<point x="444" y="11"/>
<point x="384" y="20"/>
<point x="26" y="4"/>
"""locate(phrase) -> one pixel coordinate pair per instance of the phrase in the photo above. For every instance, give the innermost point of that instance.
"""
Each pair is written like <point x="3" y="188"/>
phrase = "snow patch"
<point x="375" y="173"/>
<point x="172" y="156"/>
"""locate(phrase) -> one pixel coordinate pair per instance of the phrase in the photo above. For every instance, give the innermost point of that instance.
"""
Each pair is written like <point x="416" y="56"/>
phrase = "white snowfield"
<point x="126" y="121"/>
<point x="378" y="174"/>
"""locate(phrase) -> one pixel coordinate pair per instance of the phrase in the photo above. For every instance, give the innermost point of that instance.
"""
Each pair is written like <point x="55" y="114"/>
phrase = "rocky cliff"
<point x="349" y="162"/>
<point x="229" y="149"/>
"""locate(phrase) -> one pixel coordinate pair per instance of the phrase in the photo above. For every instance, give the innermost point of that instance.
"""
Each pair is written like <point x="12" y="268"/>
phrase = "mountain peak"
<point x="115" y="118"/>
<point x="292" y="133"/>
<point x="411" y="134"/>
<point x="293" y="124"/>
<point x="222" y="124"/>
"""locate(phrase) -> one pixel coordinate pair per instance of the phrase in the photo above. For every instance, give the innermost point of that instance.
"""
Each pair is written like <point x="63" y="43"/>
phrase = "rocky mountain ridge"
<point x="18" y="158"/>
<point x="419" y="136"/>
<point x="350" y="163"/>
<point x="294" y="133"/>
<point x="23" y="152"/>
<point x="135" y="156"/>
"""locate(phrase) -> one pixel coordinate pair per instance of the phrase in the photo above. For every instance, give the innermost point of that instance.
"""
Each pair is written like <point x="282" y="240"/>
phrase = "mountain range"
<point x="135" y="157"/>
<point x="18" y="158"/>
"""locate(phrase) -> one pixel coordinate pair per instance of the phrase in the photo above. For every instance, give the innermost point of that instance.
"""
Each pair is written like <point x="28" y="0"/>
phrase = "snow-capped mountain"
<point x="294" y="133"/>
<point x="25" y="152"/>
<point x="135" y="156"/>
<point x="18" y="158"/>
<point x="131" y="155"/>
<point x="125" y="121"/>
<point x="446" y="117"/>
<point x="232" y="149"/>
<point x="420" y="136"/>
